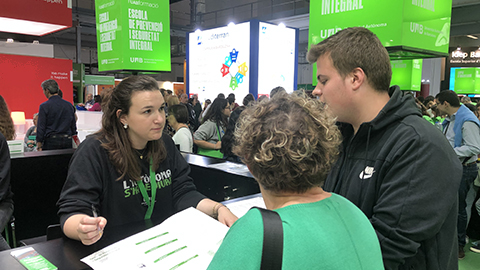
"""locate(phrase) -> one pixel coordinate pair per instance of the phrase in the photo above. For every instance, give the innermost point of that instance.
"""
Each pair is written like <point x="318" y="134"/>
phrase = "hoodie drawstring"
<point x="361" y="195"/>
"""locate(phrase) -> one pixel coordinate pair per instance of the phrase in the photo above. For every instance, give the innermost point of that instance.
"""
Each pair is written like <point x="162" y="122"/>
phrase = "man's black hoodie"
<point x="403" y="174"/>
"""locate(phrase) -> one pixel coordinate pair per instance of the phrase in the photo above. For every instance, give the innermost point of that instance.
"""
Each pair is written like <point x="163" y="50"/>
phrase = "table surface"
<point x="66" y="253"/>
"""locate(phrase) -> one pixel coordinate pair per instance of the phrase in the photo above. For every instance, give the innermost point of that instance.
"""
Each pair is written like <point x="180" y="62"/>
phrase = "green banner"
<point x="99" y="80"/>
<point x="407" y="74"/>
<point x="78" y="80"/>
<point x="467" y="81"/>
<point x="420" y="24"/>
<point x="133" y="35"/>
<point x="78" y="72"/>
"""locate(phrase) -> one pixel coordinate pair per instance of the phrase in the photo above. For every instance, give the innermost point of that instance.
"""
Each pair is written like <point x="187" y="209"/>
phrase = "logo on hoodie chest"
<point x="367" y="173"/>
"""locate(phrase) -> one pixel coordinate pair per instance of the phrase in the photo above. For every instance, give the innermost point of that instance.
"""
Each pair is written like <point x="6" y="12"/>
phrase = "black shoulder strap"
<point x="272" y="251"/>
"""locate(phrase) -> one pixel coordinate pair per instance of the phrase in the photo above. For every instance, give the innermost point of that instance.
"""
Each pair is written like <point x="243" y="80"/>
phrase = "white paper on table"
<point x="186" y="240"/>
<point x="231" y="167"/>
<point x="241" y="207"/>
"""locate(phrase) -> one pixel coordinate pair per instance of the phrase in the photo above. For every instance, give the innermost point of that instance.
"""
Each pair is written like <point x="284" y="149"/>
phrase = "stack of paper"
<point x="186" y="240"/>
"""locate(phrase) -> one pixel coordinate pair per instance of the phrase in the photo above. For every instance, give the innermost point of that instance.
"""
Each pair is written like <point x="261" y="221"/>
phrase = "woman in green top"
<point x="289" y="144"/>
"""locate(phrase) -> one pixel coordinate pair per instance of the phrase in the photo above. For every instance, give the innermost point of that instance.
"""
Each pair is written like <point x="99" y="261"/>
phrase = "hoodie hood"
<point x="398" y="107"/>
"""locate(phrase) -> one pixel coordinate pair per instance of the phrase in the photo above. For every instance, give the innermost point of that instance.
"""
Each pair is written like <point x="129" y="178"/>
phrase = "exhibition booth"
<point x="250" y="57"/>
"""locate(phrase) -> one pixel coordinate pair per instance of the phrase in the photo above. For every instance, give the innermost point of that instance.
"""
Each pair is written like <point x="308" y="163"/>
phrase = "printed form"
<point x="186" y="240"/>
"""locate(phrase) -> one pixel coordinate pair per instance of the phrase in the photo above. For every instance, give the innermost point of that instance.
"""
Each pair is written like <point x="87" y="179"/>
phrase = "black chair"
<point x="54" y="232"/>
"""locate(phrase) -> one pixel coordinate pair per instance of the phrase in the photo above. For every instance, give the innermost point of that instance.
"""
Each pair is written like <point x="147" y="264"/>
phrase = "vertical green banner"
<point x="133" y="35"/>
<point x="418" y="24"/>
<point x="78" y="80"/>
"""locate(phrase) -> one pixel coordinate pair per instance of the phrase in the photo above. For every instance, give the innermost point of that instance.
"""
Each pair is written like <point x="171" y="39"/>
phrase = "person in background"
<point x="215" y="121"/>
<point x="6" y="195"/>
<point x="289" y="144"/>
<point x="192" y="118"/>
<point x="228" y="140"/>
<point x="7" y="133"/>
<point x="31" y="135"/>
<point x="382" y="167"/>
<point x="6" y="123"/>
<point x="276" y="90"/>
<point x="89" y="102"/>
<point x="205" y="106"/>
<point x="262" y="98"/>
<point x="429" y="101"/>
<point x="178" y="119"/>
<point x="466" y="100"/>
<point x="172" y="100"/>
<point x="56" y="120"/>
<point x="197" y="107"/>
<point x="231" y="101"/>
<point x="128" y="153"/>
<point x="462" y="129"/>
<point x="248" y="100"/>
<point x="97" y="106"/>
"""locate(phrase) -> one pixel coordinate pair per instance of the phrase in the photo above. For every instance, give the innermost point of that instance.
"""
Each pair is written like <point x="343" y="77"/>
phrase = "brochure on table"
<point x="186" y="240"/>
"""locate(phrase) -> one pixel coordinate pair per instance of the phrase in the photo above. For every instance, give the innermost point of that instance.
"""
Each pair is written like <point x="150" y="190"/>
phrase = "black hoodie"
<point x="403" y="174"/>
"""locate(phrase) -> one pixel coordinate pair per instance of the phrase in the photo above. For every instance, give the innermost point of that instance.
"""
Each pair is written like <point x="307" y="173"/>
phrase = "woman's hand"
<point x="90" y="229"/>
<point x="218" y="145"/>
<point x="225" y="216"/>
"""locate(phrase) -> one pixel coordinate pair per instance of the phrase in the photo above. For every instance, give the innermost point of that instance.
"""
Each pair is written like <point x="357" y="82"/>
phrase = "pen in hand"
<point x="94" y="211"/>
<point x="95" y="215"/>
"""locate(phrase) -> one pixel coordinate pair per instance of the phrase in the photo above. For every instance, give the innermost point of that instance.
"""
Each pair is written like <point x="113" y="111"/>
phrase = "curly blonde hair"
<point x="289" y="142"/>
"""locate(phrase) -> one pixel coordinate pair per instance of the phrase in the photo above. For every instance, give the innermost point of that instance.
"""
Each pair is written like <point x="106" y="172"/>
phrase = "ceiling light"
<point x="472" y="37"/>
<point x="230" y="24"/>
<point x="36" y="42"/>
<point x="282" y="25"/>
<point x="28" y="27"/>
<point x="9" y="40"/>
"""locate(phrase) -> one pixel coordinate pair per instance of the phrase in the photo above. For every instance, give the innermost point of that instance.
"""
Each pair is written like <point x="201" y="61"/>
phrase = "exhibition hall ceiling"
<point x="465" y="20"/>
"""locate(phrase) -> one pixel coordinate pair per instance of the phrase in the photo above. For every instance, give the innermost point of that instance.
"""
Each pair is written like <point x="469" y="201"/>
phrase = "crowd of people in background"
<point x="377" y="156"/>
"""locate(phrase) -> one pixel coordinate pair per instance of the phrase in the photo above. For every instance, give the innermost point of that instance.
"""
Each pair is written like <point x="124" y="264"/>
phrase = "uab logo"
<point x="136" y="60"/>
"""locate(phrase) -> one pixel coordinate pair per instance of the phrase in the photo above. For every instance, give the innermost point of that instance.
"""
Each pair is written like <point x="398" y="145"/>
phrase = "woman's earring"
<point x="125" y="126"/>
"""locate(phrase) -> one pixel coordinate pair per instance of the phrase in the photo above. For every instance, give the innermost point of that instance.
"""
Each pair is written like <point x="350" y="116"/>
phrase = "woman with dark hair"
<point x="178" y="119"/>
<point x="209" y="135"/>
<point x="6" y="123"/>
<point x="7" y="133"/>
<point x="97" y="107"/>
<point x="228" y="139"/>
<point x="289" y="144"/>
<point x="127" y="154"/>
<point x="248" y="100"/>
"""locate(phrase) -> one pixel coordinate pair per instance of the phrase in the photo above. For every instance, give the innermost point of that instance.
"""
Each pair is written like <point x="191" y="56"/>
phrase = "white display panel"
<point x="219" y="62"/>
<point x="276" y="58"/>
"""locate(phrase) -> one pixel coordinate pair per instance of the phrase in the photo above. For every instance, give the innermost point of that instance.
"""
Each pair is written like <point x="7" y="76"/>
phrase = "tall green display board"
<point x="78" y="81"/>
<point x="409" y="29"/>
<point x="133" y="35"/>
<point x="407" y="74"/>
<point x="467" y="81"/>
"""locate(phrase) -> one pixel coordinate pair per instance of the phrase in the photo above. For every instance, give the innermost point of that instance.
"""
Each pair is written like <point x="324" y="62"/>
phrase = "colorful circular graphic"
<point x="231" y="64"/>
